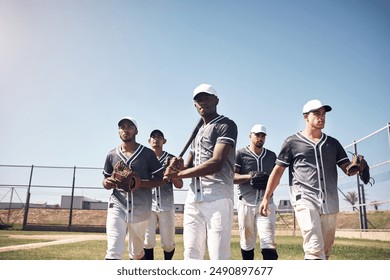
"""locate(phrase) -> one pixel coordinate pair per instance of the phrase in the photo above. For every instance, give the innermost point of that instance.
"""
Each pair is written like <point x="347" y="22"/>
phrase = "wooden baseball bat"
<point x="188" y="143"/>
<point x="193" y="134"/>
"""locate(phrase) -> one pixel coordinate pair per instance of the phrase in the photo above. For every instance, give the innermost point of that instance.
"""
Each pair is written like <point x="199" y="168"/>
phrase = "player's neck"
<point x="313" y="134"/>
<point x="129" y="147"/>
<point x="256" y="150"/>
<point x="209" y="117"/>
<point x="158" y="151"/>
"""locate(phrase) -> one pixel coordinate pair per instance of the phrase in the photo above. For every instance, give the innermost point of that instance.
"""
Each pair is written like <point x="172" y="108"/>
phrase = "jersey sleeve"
<point x="108" y="167"/>
<point x="238" y="162"/>
<point x="155" y="167"/>
<point x="227" y="133"/>
<point x="342" y="156"/>
<point x="285" y="155"/>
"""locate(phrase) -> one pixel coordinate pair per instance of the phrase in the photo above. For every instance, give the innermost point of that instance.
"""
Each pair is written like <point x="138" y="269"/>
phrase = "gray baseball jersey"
<point x="246" y="161"/>
<point x="162" y="197"/>
<point x="220" y="184"/>
<point x="313" y="171"/>
<point x="137" y="204"/>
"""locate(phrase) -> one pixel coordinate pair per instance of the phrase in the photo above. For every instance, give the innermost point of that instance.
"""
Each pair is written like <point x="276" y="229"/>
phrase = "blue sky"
<point x="69" y="70"/>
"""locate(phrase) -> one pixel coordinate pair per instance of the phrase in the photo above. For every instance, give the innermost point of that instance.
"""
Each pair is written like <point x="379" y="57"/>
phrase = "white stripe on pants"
<point x="208" y="223"/>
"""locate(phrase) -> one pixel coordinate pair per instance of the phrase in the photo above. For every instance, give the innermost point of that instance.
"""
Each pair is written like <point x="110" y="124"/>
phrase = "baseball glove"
<point x="359" y="165"/>
<point x="124" y="177"/>
<point x="259" y="179"/>
<point x="173" y="165"/>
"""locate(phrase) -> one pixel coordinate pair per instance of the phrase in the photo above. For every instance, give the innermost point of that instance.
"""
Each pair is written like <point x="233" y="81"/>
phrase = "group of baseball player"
<point x="214" y="166"/>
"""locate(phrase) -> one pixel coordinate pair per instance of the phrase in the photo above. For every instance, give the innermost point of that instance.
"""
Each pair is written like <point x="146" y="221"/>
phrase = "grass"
<point x="289" y="248"/>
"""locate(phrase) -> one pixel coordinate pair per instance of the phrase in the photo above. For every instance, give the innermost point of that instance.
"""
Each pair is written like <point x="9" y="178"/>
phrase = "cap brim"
<point x="326" y="107"/>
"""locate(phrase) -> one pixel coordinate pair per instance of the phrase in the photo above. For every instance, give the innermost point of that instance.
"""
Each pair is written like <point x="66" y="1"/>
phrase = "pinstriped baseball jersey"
<point x="138" y="203"/>
<point x="313" y="171"/>
<point x="220" y="184"/>
<point x="162" y="197"/>
<point x="246" y="161"/>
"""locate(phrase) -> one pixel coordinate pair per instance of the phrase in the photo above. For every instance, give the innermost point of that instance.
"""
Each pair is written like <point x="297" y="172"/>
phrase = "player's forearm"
<point x="152" y="183"/>
<point x="241" y="178"/>
<point x="210" y="166"/>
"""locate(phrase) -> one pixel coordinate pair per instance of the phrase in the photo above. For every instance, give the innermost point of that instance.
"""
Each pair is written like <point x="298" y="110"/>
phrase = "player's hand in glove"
<point x="359" y="165"/>
<point x="124" y="177"/>
<point x="173" y="166"/>
<point x="259" y="179"/>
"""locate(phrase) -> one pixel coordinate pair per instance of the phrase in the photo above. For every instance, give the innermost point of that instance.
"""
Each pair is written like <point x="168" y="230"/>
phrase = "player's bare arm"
<point x="344" y="168"/>
<point x="152" y="183"/>
<point x="211" y="166"/>
<point x="273" y="182"/>
<point x="241" y="178"/>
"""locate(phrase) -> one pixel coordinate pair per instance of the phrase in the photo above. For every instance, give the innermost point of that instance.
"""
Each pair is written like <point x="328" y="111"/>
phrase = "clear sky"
<point x="69" y="70"/>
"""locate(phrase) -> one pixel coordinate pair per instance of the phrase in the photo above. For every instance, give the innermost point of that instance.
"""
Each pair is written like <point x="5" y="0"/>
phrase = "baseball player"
<point x="163" y="209"/>
<point x="208" y="212"/>
<point x="249" y="160"/>
<point x="312" y="158"/>
<point x="128" y="212"/>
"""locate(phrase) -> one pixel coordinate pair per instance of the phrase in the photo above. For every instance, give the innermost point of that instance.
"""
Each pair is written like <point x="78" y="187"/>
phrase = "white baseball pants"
<point x="318" y="232"/>
<point x="208" y="224"/>
<point x="166" y="225"/>
<point x="251" y="224"/>
<point x="117" y="227"/>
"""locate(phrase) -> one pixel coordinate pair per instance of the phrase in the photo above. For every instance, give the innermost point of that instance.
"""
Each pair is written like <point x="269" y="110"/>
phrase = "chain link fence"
<point x="73" y="198"/>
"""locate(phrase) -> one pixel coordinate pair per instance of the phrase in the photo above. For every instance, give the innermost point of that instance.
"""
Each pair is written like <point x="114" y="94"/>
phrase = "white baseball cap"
<point x="129" y="119"/>
<point x="259" y="128"/>
<point x="204" y="88"/>
<point x="315" y="104"/>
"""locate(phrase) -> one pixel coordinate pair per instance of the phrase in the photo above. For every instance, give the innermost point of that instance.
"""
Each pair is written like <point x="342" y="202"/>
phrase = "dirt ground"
<point x="97" y="218"/>
<point x="40" y="216"/>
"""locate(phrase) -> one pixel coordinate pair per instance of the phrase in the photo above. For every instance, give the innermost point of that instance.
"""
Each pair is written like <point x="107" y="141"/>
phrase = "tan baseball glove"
<point x="124" y="177"/>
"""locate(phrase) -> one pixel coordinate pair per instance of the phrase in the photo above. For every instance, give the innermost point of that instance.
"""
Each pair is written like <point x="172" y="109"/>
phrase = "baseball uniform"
<point x="208" y="212"/>
<point x="250" y="221"/>
<point x="313" y="188"/>
<point x="163" y="214"/>
<point x="129" y="212"/>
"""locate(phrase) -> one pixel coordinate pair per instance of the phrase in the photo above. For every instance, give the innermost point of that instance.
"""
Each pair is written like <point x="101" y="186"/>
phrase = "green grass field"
<point x="289" y="248"/>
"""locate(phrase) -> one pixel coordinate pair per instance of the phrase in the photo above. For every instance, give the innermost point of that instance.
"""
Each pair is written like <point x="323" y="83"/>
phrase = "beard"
<point x="259" y="144"/>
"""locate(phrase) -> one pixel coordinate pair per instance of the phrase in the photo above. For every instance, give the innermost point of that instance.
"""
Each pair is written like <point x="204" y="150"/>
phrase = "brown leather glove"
<point x="124" y="177"/>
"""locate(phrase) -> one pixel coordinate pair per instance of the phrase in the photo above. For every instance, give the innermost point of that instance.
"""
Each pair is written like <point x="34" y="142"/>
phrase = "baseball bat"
<point x="188" y="143"/>
<point x="193" y="134"/>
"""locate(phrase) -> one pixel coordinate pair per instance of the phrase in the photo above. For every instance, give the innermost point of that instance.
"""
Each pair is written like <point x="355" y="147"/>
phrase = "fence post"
<point x="362" y="199"/>
<point x="28" y="199"/>
<point x="388" y="132"/>
<point x="71" y="198"/>
<point x="10" y="205"/>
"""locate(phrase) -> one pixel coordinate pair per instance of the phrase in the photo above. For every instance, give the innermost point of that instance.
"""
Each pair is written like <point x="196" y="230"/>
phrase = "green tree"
<point x="352" y="198"/>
